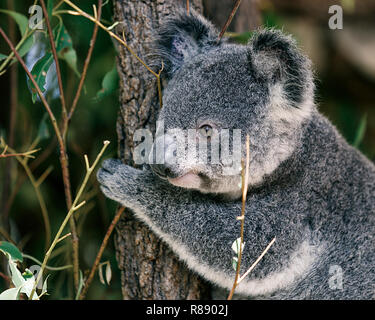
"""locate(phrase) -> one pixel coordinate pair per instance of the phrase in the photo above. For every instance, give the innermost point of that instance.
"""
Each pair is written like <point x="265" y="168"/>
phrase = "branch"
<point x="229" y="20"/>
<point x="256" y="261"/>
<point x="245" y="181"/>
<point x="35" y="184"/>
<point x="100" y="253"/>
<point x="85" y="66"/>
<point x="58" y="72"/>
<point x="3" y="154"/>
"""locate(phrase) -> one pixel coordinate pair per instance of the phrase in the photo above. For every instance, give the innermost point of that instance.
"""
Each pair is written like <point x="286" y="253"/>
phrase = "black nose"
<point x="163" y="171"/>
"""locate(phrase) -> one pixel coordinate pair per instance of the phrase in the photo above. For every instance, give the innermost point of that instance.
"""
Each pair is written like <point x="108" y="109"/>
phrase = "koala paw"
<point x="118" y="181"/>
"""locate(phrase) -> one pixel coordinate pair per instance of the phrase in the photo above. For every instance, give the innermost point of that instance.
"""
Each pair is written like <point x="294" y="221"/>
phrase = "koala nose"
<point x="163" y="170"/>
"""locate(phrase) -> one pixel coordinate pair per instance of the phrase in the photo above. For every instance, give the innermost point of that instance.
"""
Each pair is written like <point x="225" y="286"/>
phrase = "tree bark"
<point x="149" y="269"/>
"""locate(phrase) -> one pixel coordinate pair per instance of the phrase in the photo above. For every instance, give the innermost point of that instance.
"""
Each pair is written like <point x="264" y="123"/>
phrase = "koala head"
<point x="220" y="92"/>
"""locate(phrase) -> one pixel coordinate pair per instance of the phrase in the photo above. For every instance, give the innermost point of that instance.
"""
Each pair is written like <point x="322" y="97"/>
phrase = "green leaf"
<point x="80" y="285"/>
<point x="28" y="287"/>
<point x="62" y="37"/>
<point x="44" y="289"/>
<point x="20" y="19"/>
<point x="109" y="84"/>
<point x="64" y="47"/>
<point x="10" y="294"/>
<point x="50" y="8"/>
<point x="43" y="132"/>
<point x="236" y="246"/>
<point x="27" y="274"/>
<point x="39" y="72"/>
<point x="70" y="56"/>
<point x="26" y="46"/>
<point x="234" y="263"/>
<point x="3" y="56"/>
<point x="360" y="134"/>
<point x="12" y="250"/>
<point x="17" y="278"/>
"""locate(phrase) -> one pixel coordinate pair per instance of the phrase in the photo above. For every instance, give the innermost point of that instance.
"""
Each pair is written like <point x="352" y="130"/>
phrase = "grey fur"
<point x="307" y="186"/>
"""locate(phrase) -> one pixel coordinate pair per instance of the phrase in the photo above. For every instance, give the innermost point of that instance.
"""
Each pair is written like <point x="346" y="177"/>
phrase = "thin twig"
<point x="100" y="253"/>
<point x="256" y="261"/>
<point x="187" y="7"/>
<point x="72" y="209"/>
<point x="245" y="175"/>
<point x="229" y="20"/>
<point x="85" y="67"/>
<point x="24" y="154"/>
<point x="34" y="165"/>
<point x="66" y="178"/>
<point x="38" y="193"/>
<point x="47" y="267"/>
<point x="54" y="53"/>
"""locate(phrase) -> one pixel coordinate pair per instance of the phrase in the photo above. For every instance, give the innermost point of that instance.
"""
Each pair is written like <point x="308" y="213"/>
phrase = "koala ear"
<point x="274" y="57"/>
<point x="181" y="37"/>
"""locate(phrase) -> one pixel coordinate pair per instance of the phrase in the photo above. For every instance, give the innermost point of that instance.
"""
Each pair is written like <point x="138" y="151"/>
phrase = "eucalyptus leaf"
<point x="17" y="278"/>
<point x="100" y="271"/>
<point x="20" y="19"/>
<point x="39" y="72"/>
<point x="70" y="56"/>
<point x="236" y="246"/>
<point x="26" y="45"/>
<point x="109" y="84"/>
<point x="108" y="273"/>
<point x="234" y="263"/>
<point x="44" y="289"/>
<point x="28" y="287"/>
<point x="50" y="8"/>
<point x="27" y="274"/>
<point x="64" y="47"/>
<point x="12" y="250"/>
<point x="10" y="294"/>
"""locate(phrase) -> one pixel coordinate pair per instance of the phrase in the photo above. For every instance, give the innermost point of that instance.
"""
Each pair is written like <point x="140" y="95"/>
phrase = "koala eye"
<point x="205" y="130"/>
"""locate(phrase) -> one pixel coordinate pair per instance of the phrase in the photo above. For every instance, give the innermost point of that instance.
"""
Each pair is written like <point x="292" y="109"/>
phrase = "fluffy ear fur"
<point x="274" y="57"/>
<point x="181" y="37"/>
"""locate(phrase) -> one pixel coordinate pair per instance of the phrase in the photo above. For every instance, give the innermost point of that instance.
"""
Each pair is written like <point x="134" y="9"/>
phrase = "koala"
<point x="307" y="187"/>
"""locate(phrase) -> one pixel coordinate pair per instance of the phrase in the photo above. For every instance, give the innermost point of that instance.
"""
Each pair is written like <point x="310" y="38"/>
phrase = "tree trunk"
<point x="149" y="270"/>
